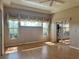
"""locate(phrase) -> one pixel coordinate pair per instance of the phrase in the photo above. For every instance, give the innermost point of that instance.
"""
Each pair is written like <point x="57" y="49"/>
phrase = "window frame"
<point x="13" y="28"/>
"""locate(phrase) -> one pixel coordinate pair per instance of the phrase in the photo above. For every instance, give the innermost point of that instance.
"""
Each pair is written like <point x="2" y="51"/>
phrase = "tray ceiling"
<point x="56" y="7"/>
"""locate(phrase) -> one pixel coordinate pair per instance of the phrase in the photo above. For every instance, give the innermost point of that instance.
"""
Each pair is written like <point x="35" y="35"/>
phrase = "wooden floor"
<point x="41" y="51"/>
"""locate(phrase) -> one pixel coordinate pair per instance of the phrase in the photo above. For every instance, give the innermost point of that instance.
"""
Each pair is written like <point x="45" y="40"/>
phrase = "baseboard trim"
<point x="74" y="47"/>
<point x="30" y="43"/>
<point x="25" y="43"/>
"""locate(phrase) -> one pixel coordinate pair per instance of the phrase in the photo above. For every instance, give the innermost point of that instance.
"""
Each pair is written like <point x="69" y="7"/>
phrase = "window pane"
<point x="65" y="25"/>
<point x="31" y="23"/>
<point x="67" y="29"/>
<point x="15" y="23"/>
<point x="22" y="23"/>
<point x="45" y="29"/>
<point x="11" y="31"/>
<point x="28" y="23"/>
<point x="11" y="24"/>
<point x="13" y="28"/>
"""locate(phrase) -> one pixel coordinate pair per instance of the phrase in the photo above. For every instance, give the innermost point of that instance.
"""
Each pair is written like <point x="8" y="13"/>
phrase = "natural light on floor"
<point x="11" y="50"/>
<point x="49" y="43"/>
<point x="32" y="49"/>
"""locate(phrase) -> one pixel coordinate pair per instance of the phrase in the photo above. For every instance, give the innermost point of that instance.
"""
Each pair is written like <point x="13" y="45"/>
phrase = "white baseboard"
<point x="30" y="42"/>
<point x="74" y="47"/>
<point x="25" y="43"/>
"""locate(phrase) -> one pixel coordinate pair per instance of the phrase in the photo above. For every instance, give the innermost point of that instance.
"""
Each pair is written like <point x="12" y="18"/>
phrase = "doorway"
<point x="58" y="31"/>
<point x="63" y="32"/>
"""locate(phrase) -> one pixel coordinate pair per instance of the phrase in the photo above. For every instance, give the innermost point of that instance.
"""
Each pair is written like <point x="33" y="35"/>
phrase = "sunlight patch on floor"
<point x="11" y="50"/>
<point x="49" y="43"/>
<point x="65" y="41"/>
<point x="32" y="49"/>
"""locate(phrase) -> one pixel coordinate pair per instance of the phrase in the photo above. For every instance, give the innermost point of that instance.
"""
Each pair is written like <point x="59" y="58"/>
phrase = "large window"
<point x="13" y="28"/>
<point x="66" y="29"/>
<point x="31" y="23"/>
<point x="45" y="29"/>
<point x="66" y="26"/>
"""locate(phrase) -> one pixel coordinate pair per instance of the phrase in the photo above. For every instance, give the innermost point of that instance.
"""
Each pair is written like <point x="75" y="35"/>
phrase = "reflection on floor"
<point x="11" y="50"/>
<point x="22" y="48"/>
<point x="49" y="43"/>
<point x="66" y="41"/>
<point x="15" y="49"/>
<point x="42" y="51"/>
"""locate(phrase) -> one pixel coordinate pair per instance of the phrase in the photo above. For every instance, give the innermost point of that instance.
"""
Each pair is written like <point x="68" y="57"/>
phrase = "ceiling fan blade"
<point x="44" y="1"/>
<point x="51" y="2"/>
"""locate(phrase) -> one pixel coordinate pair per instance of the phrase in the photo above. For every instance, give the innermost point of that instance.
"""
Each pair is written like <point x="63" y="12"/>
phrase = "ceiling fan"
<point x="51" y="1"/>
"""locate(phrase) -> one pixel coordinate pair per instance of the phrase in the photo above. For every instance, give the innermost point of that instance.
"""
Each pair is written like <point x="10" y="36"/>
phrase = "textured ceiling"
<point x="56" y="7"/>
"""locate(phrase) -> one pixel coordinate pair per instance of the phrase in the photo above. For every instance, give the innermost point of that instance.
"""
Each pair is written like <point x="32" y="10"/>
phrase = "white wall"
<point x="74" y="23"/>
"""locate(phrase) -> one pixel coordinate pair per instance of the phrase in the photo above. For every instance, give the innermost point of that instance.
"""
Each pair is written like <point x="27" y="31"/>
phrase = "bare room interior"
<point x="39" y="29"/>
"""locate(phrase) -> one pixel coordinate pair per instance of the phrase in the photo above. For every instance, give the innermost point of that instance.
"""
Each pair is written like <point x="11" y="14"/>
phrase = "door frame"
<point x="2" y="16"/>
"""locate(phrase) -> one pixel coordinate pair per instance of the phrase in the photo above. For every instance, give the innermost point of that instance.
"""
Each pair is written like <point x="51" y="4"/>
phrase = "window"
<point x="13" y="28"/>
<point x="66" y="27"/>
<point x="45" y="29"/>
<point x="31" y="23"/>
